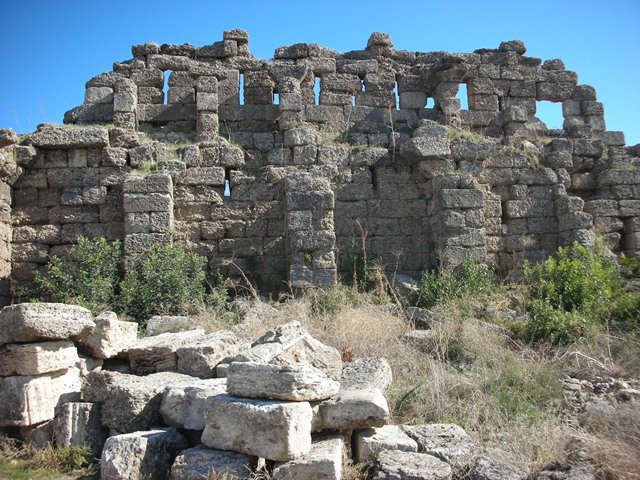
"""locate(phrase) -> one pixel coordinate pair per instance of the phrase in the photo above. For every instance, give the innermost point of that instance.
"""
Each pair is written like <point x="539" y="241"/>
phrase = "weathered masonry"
<point x="291" y="167"/>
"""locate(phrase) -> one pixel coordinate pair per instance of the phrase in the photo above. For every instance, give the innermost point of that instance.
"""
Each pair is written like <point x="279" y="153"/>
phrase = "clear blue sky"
<point x="50" y="48"/>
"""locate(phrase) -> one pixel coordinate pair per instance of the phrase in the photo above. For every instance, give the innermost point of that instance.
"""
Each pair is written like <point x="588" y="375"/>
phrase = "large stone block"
<point x="49" y="136"/>
<point x="299" y="383"/>
<point x="369" y="442"/>
<point x="432" y="146"/>
<point x="448" y="442"/>
<point x="110" y="336"/>
<point x="29" y="400"/>
<point x="264" y="428"/>
<point x="141" y="455"/>
<point x="183" y="407"/>
<point x="78" y="423"/>
<point x="201" y="357"/>
<point x="32" y="322"/>
<point x="158" y="353"/>
<point x="30" y="359"/>
<point x="398" y="465"/>
<point x="201" y="462"/>
<point x="323" y="462"/>
<point x="352" y="409"/>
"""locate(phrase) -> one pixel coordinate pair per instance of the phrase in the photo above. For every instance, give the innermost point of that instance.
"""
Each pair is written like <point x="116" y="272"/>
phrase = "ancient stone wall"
<point x="294" y="168"/>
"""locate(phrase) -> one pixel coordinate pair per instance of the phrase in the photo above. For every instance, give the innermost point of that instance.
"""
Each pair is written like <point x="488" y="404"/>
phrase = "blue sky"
<point x="50" y="48"/>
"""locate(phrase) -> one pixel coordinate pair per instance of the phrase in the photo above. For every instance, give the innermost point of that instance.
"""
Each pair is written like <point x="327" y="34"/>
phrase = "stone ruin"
<point x="292" y="169"/>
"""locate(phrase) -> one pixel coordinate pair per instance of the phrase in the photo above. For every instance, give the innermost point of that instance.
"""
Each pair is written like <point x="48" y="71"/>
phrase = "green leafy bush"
<point x="87" y="276"/>
<point x="167" y="281"/>
<point x="468" y="278"/>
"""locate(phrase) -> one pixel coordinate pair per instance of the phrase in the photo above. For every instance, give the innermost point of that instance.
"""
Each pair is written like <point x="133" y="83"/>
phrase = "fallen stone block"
<point x="158" y="353"/>
<point x="28" y="400"/>
<point x="130" y="402"/>
<point x="298" y="383"/>
<point x="141" y="455"/>
<point x="397" y="465"/>
<point x="165" y="324"/>
<point x="31" y="359"/>
<point x="446" y="441"/>
<point x="200" y="358"/>
<point x="323" y="462"/>
<point x="351" y="410"/>
<point x="78" y="423"/>
<point x="264" y="428"/>
<point x="487" y="467"/>
<point x="201" y="462"/>
<point x="110" y="337"/>
<point x="34" y="322"/>
<point x="362" y="373"/>
<point x="371" y="441"/>
<point x="183" y="407"/>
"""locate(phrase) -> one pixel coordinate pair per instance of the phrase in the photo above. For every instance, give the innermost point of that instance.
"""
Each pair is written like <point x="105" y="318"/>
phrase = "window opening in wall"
<point x="430" y="103"/>
<point x="276" y="98"/>
<point x="550" y="113"/>
<point x="227" y="182"/>
<point x="316" y="90"/>
<point x="165" y="86"/>
<point x="395" y="93"/>
<point x="463" y="97"/>
<point x="503" y="213"/>
<point x="241" y="89"/>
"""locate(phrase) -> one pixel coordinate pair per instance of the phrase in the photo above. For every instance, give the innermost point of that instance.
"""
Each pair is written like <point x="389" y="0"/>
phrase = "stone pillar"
<point x="8" y="170"/>
<point x="290" y="103"/>
<point x="207" y="108"/>
<point x="444" y="97"/>
<point x="125" y="102"/>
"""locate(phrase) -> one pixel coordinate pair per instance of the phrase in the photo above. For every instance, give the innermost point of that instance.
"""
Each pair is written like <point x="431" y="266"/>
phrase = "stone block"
<point x="145" y="454"/>
<point x="352" y="409"/>
<point x="366" y="372"/>
<point x="213" y="176"/>
<point x="426" y="148"/>
<point x="324" y="461"/>
<point x="110" y="337"/>
<point x="183" y="407"/>
<point x="78" y="423"/>
<point x="32" y="322"/>
<point x="154" y="183"/>
<point x="147" y="202"/>
<point x="201" y="462"/>
<point x="29" y="400"/>
<point x="300" y="136"/>
<point x="98" y="95"/>
<point x="279" y="382"/>
<point x="201" y="357"/>
<point x="458" y="199"/>
<point x="49" y="136"/>
<point x="368" y="443"/>
<point x="31" y="359"/>
<point x="448" y="442"/>
<point x="125" y="102"/>
<point x="392" y="464"/>
<point x="159" y="353"/>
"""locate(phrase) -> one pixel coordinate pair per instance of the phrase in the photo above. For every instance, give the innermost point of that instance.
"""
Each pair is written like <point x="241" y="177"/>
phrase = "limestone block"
<point x="48" y="136"/>
<point x="158" y="353"/>
<point x="458" y="199"/>
<point x="165" y="323"/>
<point x="263" y="428"/>
<point x="371" y="441"/>
<point x="397" y="465"/>
<point x="125" y="102"/>
<point x="110" y="336"/>
<point x="130" y="402"/>
<point x="200" y="358"/>
<point x="31" y="359"/>
<point x="147" y="202"/>
<point x="39" y="435"/>
<point x="487" y="468"/>
<point x="98" y="95"/>
<point x="352" y="409"/>
<point x="155" y="183"/>
<point x="203" y="176"/>
<point x="32" y="322"/>
<point x="140" y="455"/>
<point x="448" y="442"/>
<point x="279" y="382"/>
<point x="323" y="462"/>
<point x="200" y="462"/>
<point x="426" y="148"/>
<point x="369" y="372"/>
<point x="183" y="407"/>
<point x="29" y="400"/>
<point x="300" y="136"/>
<point x="78" y="423"/>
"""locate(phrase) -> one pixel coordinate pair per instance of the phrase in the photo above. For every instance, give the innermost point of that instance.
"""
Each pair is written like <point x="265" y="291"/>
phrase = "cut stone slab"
<point x="140" y="455"/>
<point x="78" y="423"/>
<point x="426" y="148"/>
<point x="110" y="337"/>
<point x="200" y="462"/>
<point x="362" y="373"/>
<point x="264" y="428"/>
<point x="183" y="407"/>
<point x="397" y="465"/>
<point x="488" y="468"/>
<point x="31" y="359"/>
<point x="165" y="324"/>
<point x="28" y="400"/>
<point x="130" y="402"/>
<point x="200" y="358"/>
<point x="51" y="136"/>
<point x="158" y="353"/>
<point x="371" y="441"/>
<point x="352" y="410"/>
<point x="323" y="462"/>
<point x="443" y="440"/>
<point x="298" y="383"/>
<point x="35" y="322"/>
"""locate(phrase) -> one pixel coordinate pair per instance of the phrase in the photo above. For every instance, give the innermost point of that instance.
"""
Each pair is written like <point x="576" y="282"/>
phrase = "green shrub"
<point x="467" y="278"/>
<point x="167" y="281"/>
<point x="625" y="310"/>
<point x="87" y="276"/>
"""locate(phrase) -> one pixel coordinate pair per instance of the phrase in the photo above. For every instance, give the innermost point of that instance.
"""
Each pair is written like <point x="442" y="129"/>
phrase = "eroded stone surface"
<point x="372" y="372"/>
<point x="445" y="441"/>
<point x="110" y="337"/>
<point x="183" y="407"/>
<point x="158" y="353"/>
<point x="323" y="462"/>
<point x="200" y="462"/>
<point x="78" y="423"/>
<point x="350" y="410"/>
<point x="32" y="359"/>
<point x="201" y="357"/>
<point x="371" y="441"/>
<point x="397" y="465"/>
